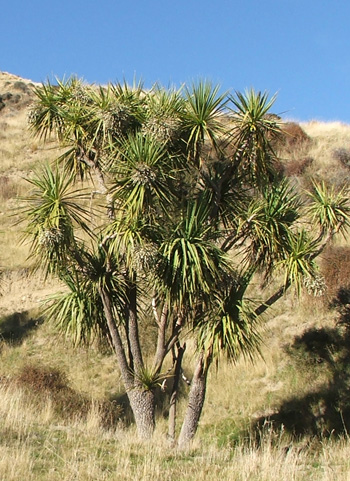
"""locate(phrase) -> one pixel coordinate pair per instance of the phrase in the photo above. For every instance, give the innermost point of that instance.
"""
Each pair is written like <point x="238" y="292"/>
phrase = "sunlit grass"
<point x="35" y="447"/>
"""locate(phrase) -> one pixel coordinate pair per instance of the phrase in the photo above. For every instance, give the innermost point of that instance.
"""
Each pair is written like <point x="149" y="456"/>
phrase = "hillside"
<point x="19" y="155"/>
<point x="54" y="397"/>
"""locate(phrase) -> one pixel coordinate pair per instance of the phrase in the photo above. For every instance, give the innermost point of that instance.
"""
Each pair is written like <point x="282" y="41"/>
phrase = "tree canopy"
<point x="163" y="207"/>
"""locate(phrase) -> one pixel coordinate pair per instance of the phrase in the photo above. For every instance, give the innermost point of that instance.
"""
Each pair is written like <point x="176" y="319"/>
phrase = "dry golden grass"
<point x="327" y="137"/>
<point x="19" y="155"/>
<point x="319" y="159"/>
<point x="52" y="447"/>
<point x="36" y="447"/>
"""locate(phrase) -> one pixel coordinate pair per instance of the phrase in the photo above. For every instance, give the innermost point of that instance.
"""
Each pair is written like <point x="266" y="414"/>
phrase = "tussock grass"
<point x="323" y="157"/>
<point x="35" y="447"/>
<point x="327" y="139"/>
<point x="336" y="270"/>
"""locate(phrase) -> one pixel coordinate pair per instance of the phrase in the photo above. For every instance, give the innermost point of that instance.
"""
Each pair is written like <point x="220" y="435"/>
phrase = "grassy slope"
<point x="42" y="436"/>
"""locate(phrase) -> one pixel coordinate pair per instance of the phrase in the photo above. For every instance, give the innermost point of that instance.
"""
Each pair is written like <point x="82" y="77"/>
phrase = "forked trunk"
<point x="195" y="404"/>
<point x="142" y="403"/>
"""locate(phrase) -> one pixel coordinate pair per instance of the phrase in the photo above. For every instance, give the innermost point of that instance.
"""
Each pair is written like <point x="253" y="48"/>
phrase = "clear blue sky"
<point x="298" y="48"/>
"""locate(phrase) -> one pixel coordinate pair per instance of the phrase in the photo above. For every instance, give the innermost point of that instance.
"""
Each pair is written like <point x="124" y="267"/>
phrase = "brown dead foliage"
<point x="335" y="267"/>
<point x="293" y="136"/>
<point x="51" y="383"/>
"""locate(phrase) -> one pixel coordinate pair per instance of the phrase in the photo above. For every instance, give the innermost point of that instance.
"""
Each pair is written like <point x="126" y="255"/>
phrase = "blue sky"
<point x="298" y="48"/>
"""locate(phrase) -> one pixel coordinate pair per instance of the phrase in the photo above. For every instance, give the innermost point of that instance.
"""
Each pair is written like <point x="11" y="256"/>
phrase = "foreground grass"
<point x="33" y="447"/>
<point x="40" y="442"/>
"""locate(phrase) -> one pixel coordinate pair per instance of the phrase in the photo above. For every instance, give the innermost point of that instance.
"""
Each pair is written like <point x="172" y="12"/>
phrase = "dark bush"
<point x="10" y="98"/>
<point x="42" y="379"/>
<point x="343" y="155"/>
<point x="335" y="267"/>
<point x="6" y="96"/>
<point x="293" y="136"/>
<point x="52" y="383"/>
<point x="20" y="86"/>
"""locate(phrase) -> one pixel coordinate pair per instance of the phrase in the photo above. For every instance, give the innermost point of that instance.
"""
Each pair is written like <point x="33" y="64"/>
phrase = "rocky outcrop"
<point x="15" y="93"/>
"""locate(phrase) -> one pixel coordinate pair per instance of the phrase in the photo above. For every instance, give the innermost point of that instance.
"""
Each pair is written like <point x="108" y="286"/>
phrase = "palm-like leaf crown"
<point x="222" y="185"/>
<point x="268" y="224"/>
<point x="299" y="263"/>
<point x="203" y="118"/>
<point x="163" y="111"/>
<point x="134" y="240"/>
<point x="226" y="322"/>
<point x="88" y="119"/>
<point x="53" y="215"/>
<point x="61" y="110"/>
<point x="329" y="209"/>
<point x="189" y="256"/>
<point x="253" y="133"/>
<point x="142" y="176"/>
<point x="78" y="311"/>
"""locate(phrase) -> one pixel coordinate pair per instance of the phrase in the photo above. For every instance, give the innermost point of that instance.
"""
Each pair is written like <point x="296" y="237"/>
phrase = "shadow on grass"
<point x="326" y="410"/>
<point x="17" y="326"/>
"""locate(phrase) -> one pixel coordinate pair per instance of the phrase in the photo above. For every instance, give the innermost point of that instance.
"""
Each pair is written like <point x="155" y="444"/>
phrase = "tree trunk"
<point x="142" y="403"/>
<point x="195" y="403"/>
<point x="116" y="339"/>
<point x="174" y="392"/>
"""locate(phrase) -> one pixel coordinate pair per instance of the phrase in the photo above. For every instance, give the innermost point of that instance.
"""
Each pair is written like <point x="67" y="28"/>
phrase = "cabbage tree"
<point x="192" y="210"/>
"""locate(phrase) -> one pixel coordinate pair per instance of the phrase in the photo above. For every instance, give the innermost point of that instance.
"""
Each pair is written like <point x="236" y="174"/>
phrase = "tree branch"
<point x="133" y="332"/>
<point x="161" y="350"/>
<point x="154" y="309"/>
<point x="116" y="339"/>
<point x="281" y="291"/>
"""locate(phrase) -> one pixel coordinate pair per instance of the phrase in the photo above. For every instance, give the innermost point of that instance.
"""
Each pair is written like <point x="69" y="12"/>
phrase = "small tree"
<point x="193" y="209"/>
